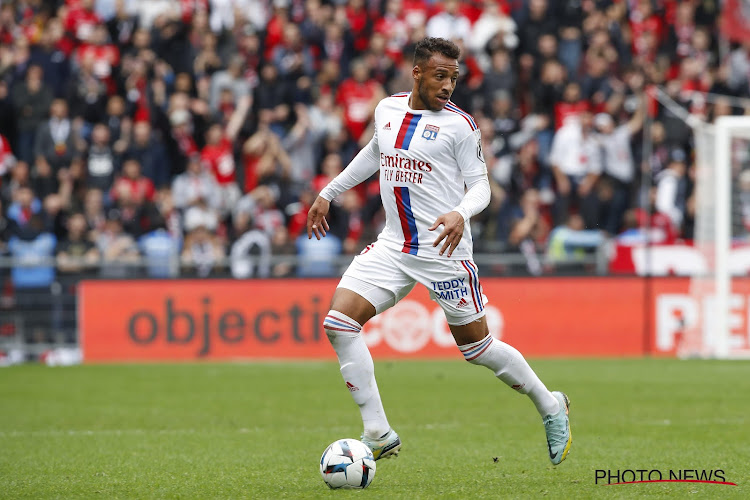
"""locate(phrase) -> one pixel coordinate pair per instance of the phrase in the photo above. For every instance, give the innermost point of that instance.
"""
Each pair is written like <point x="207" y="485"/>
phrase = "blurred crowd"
<point x="198" y="132"/>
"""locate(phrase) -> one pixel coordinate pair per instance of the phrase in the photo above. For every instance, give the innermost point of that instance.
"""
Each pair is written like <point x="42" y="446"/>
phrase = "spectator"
<point x="500" y="76"/>
<point x="302" y="144"/>
<point x="739" y="70"/>
<point x="358" y="96"/>
<point x="24" y="206"/>
<point x="87" y="94"/>
<point x="118" y="249"/>
<point x="32" y="275"/>
<point x="218" y="156"/>
<point x="534" y="22"/>
<point x="53" y="216"/>
<point x="576" y="165"/>
<point x="317" y="260"/>
<point x="93" y="211"/>
<point x="265" y="160"/>
<point x="394" y="28"/>
<point x="618" y="163"/>
<point x="251" y="256"/>
<point x="194" y="186"/>
<point x="120" y="125"/>
<point x="257" y="210"/>
<point x="168" y="212"/>
<point x="7" y="160"/>
<point x="529" y="230"/>
<point x="31" y="100"/>
<point x="337" y="45"/>
<point x="528" y="172"/>
<point x="492" y="24"/>
<point x="102" y="163"/>
<point x="571" y="242"/>
<point x="292" y="57"/>
<point x="161" y="250"/>
<point x="55" y="142"/>
<point x="208" y="61"/>
<point x="150" y="154"/>
<point x="232" y="79"/>
<point x="82" y="20"/>
<point x="355" y="16"/>
<point x="104" y="55"/>
<point x="324" y="118"/>
<point x="49" y="56"/>
<point x="202" y="252"/>
<point x="671" y="189"/>
<point x="450" y="23"/>
<point x="271" y="91"/>
<point x="76" y="253"/>
<point x="132" y="188"/>
<point x="282" y="246"/>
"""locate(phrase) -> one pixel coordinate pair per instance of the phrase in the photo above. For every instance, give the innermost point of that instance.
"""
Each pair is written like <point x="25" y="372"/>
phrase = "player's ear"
<point x="416" y="71"/>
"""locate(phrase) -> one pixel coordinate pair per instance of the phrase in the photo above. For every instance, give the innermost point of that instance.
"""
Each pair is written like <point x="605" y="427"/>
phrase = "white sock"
<point x="358" y="370"/>
<point x="510" y="366"/>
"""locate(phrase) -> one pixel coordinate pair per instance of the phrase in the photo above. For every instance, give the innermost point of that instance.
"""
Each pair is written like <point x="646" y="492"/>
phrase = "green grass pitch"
<point x="257" y="430"/>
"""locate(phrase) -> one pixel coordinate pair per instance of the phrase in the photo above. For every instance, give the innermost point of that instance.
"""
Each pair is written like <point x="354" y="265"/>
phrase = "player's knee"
<point x="338" y="324"/>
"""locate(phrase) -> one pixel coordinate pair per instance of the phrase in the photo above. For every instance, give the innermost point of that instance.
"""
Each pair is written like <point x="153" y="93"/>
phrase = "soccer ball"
<point x="348" y="464"/>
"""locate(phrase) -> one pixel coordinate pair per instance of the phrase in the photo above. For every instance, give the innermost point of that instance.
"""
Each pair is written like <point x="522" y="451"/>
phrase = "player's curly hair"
<point x="426" y="47"/>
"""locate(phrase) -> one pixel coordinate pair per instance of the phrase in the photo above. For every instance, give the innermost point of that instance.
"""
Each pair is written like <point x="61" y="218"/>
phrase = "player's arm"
<point x="361" y="168"/>
<point x="477" y="197"/>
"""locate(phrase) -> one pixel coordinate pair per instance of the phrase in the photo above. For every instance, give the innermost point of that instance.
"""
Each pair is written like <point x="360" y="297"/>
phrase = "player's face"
<point x="435" y="82"/>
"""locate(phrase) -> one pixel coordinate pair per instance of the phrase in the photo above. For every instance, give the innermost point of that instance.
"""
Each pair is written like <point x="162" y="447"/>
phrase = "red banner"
<point x="189" y="320"/>
<point x="282" y="319"/>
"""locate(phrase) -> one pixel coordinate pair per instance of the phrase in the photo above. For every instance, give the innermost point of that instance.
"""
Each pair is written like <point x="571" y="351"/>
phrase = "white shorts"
<point x="384" y="276"/>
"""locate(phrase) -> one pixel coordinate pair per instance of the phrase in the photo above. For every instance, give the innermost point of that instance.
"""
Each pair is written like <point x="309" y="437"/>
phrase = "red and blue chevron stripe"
<point x="406" y="132"/>
<point x="476" y="291"/>
<point x="466" y="116"/>
<point x="473" y="351"/>
<point x="340" y="325"/>
<point x="408" y="224"/>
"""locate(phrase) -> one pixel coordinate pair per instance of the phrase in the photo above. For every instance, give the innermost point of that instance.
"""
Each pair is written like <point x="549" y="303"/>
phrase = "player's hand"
<point x="453" y="231"/>
<point x="316" y="218"/>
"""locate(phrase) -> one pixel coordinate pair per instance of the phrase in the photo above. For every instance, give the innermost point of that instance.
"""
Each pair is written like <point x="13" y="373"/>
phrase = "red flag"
<point x="735" y="20"/>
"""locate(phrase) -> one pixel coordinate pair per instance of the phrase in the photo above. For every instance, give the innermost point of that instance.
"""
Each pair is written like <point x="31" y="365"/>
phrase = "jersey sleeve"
<point x="469" y="155"/>
<point x="470" y="160"/>
<point x="364" y="165"/>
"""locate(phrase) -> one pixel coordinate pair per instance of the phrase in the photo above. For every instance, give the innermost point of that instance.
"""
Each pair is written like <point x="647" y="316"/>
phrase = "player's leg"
<point x="343" y="325"/>
<point x="480" y="348"/>
<point x="354" y="303"/>
<point x="455" y="286"/>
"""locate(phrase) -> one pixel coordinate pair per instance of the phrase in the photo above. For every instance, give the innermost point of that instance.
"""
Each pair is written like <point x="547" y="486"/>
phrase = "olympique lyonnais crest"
<point x="430" y="132"/>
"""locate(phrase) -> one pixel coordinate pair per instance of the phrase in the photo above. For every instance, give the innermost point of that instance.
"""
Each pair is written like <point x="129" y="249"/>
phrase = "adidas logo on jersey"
<point x="351" y="387"/>
<point x="387" y="126"/>
<point x="462" y="303"/>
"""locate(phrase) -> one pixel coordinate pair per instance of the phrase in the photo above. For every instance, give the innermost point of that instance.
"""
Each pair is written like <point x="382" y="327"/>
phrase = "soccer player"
<point x="426" y="149"/>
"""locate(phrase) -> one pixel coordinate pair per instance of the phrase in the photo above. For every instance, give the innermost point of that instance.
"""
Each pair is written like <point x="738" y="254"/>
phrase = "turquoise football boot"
<point x="557" y="427"/>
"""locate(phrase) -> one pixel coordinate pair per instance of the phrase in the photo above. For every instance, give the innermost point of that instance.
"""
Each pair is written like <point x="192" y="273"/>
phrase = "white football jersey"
<point x="424" y="156"/>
